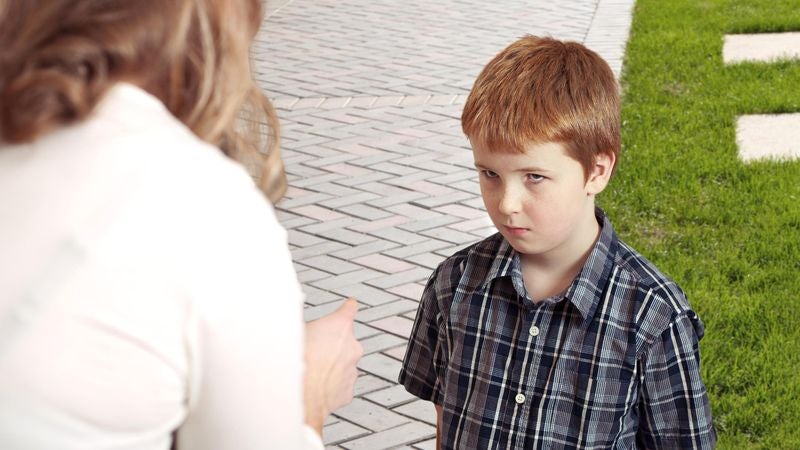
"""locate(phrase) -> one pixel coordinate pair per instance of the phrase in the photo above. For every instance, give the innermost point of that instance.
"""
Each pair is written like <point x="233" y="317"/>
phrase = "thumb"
<point x="348" y="309"/>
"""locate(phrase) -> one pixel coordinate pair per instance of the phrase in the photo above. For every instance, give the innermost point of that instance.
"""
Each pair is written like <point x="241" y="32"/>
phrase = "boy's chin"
<point x="514" y="242"/>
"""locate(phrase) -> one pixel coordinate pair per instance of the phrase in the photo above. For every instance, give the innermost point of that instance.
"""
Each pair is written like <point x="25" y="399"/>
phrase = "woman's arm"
<point x="245" y="336"/>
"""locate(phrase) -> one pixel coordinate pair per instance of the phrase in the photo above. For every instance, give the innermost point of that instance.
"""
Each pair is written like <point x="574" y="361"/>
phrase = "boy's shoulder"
<point x="471" y="266"/>
<point x="658" y="301"/>
<point x="648" y="278"/>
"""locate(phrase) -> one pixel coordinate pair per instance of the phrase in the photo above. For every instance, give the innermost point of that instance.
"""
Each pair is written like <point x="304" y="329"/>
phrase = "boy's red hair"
<point x="543" y="90"/>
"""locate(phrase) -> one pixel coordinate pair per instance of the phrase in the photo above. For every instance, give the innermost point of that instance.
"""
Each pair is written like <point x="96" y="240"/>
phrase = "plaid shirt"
<point x="613" y="363"/>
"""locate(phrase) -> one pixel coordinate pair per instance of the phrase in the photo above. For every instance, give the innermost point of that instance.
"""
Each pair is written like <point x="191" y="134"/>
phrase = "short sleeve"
<point x="674" y="411"/>
<point x="425" y="360"/>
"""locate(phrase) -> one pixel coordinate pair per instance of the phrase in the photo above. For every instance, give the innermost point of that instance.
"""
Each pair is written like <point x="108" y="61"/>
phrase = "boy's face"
<point x="541" y="200"/>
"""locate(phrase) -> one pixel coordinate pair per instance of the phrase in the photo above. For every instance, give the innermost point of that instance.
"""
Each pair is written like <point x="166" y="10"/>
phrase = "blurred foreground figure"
<point x="147" y="295"/>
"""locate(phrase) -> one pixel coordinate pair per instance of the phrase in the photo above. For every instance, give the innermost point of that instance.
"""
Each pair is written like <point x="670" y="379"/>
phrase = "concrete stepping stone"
<point x="765" y="136"/>
<point x="762" y="47"/>
<point x="768" y="136"/>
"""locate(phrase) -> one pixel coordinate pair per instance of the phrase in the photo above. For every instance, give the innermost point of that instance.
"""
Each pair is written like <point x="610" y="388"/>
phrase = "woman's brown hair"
<point x="59" y="57"/>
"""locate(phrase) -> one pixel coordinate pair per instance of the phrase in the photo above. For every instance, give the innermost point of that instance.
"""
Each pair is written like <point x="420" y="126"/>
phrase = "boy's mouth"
<point x="515" y="231"/>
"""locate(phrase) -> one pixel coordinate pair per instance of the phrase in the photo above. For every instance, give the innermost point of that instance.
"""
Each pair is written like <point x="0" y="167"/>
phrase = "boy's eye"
<point x="488" y="173"/>
<point x="534" y="177"/>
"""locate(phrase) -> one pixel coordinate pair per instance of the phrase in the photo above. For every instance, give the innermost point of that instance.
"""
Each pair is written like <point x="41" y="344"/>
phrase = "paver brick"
<point x="362" y="331"/>
<point x="430" y="444"/>
<point x="397" y="235"/>
<point x="408" y="433"/>
<point x="411" y="291"/>
<point x="365" y="249"/>
<point x="383" y="263"/>
<point x="453" y="197"/>
<point x="461" y="211"/>
<point x="427" y="224"/>
<point x="307" y="275"/>
<point x="343" y="431"/>
<point x="369" y="383"/>
<point x="429" y="260"/>
<point x="397" y="353"/>
<point x="420" y="409"/>
<point x="290" y="203"/>
<point x="365" y="212"/>
<point x="391" y="397"/>
<point x="315" y="297"/>
<point x="469" y="225"/>
<point x="448" y="251"/>
<point x="323" y="248"/>
<point x="365" y="294"/>
<point x="318" y="213"/>
<point x="371" y="415"/>
<point x="449" y="235"/>
<point x="415" y="249"/>
<point x="484" y="232"/>
<point x="386" y="310"/>
<point x="346" y="236"/>
<point x="356" y="198"/>
<point x="406" y="180"/>
<point x="331" y="265"/>
<point x="296" y="222"/>
<point x="385" y="223"/>
<point x="397" y="279"/>
<point x="407" y="197"/>
<point x="414" y="211"/>
<point x="347" y="169"/>
<point x="309" y="178"/>
<point x="381" y="366"/>
<point x="397" y="325"/>
<point x="380" y="342"/>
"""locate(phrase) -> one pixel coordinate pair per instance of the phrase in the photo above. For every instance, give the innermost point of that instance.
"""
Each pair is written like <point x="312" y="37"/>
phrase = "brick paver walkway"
<point x="382" y="186"/>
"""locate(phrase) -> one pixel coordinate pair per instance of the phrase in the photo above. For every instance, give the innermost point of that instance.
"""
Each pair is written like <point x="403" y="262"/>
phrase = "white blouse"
<point x="145" y="287"/>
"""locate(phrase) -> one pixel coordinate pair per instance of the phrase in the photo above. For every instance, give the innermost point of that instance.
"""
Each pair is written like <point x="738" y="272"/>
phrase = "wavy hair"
<point x="59" y="57"/>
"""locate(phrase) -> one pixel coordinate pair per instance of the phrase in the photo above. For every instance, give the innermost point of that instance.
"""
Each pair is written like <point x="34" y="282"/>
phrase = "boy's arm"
<point x="674" y="408"/>
<point x="424" y="361"/>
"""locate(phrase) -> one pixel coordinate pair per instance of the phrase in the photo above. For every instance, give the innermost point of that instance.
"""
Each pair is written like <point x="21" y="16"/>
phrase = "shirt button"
<point x="520" y="399"/>
<point x="534" y="331"/>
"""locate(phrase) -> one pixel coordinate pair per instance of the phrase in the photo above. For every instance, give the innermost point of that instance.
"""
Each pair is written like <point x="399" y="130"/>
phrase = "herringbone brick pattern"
<point x="382" y="186"/>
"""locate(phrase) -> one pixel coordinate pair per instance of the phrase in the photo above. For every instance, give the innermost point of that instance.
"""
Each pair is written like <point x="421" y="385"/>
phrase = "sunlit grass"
<point x="727" y="232"/>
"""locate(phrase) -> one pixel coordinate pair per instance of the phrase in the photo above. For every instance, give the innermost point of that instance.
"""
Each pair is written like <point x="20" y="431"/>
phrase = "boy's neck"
<point x="551" y="274"/>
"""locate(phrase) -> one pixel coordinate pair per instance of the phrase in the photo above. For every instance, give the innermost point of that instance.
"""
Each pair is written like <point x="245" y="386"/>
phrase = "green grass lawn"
<point x="727" y="232"/>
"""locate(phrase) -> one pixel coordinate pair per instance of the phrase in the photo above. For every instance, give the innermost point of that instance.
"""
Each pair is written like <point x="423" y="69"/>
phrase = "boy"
<point x="553" y="333"/>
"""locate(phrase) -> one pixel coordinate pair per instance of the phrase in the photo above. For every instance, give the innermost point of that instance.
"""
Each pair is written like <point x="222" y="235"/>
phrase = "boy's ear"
<point x="600" y="173"/>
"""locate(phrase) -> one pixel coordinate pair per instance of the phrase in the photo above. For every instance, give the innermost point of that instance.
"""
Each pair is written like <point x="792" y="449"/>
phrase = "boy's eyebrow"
<point x="523" y="169"/>
<point x="532" y="169"/>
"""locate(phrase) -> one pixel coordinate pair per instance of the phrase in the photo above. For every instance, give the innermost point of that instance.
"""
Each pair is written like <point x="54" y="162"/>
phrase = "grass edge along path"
<point x="727" y="232"/>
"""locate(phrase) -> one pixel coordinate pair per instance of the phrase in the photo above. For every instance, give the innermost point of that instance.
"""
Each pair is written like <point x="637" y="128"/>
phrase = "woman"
<point x="147" y="296"/>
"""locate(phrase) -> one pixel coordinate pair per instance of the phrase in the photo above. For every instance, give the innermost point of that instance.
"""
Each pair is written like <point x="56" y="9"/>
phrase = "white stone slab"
<point x="766" y="47"/>
<point x="768" y="136"/>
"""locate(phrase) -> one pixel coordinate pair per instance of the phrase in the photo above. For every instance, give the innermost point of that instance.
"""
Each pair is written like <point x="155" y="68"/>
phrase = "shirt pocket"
<point x="591" y="410"/>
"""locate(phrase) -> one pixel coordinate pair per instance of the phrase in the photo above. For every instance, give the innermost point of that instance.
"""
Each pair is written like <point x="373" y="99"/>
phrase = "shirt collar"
<point x="587" y="288"/>
<point x="505" y="262"/>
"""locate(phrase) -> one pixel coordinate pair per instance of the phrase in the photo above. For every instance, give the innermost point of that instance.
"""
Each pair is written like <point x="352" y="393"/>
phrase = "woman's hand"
<point x="331" y="355"/>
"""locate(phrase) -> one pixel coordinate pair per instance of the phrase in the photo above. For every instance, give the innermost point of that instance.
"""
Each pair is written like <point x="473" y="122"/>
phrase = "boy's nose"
<point x="509" y="202"/>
